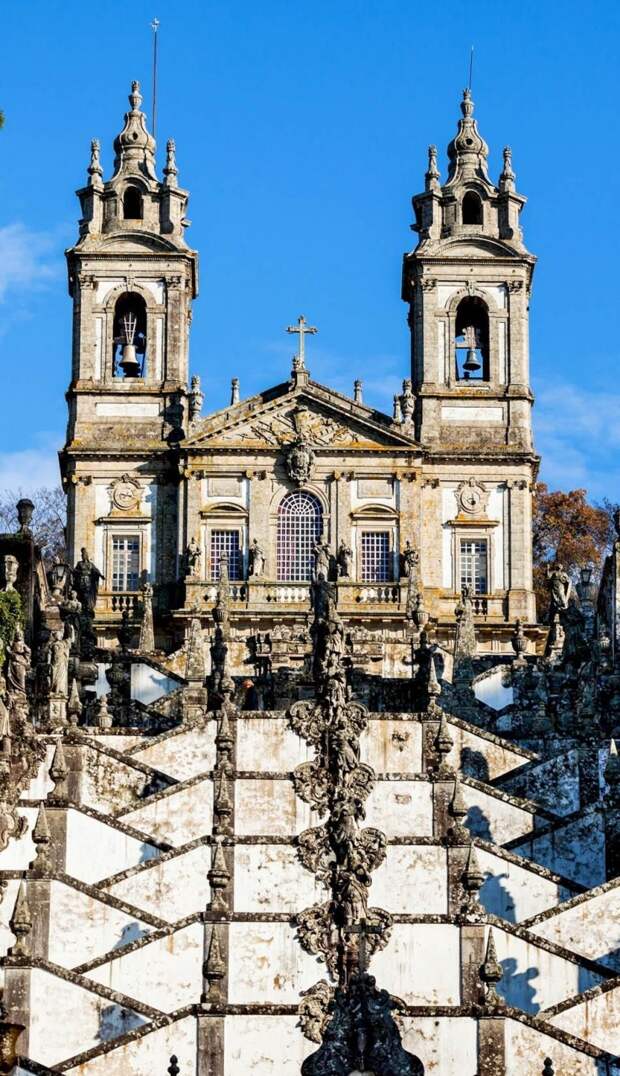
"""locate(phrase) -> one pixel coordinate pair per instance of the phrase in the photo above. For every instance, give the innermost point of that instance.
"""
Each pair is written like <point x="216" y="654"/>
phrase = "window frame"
<point x="213" y="574"/>
<point x="125" y="535"/>
<point x="384" y="532"/>
<point x="314" y="533"/>
<point x="475" y="540"/>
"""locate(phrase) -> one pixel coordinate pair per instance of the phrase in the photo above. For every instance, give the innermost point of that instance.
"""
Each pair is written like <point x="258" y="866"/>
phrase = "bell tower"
<point x="467" y="284"/>
<point x="132" y="278"/>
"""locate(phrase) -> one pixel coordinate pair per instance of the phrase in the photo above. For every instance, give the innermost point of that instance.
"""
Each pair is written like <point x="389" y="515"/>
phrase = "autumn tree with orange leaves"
<point x="568" y="531"/>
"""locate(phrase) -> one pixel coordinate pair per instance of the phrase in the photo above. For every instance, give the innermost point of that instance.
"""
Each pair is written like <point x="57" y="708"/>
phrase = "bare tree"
<point x="48" y="521"/>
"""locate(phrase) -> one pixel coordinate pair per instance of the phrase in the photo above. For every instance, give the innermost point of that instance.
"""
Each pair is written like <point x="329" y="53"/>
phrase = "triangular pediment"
<point x="313" y="413"/>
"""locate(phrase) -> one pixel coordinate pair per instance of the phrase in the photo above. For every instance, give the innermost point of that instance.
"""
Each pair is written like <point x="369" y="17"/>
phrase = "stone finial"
<point x="42" y="840"/>
<point x="432" y="176"/>
<point x="473" y="876"/>
<point x="58" y="772"/>
<point x="171" y="171"/>
<point x="224" y="737"/>
<point x="215" y="967"/>
<point x="398" y="414"/>
<point x="457" y="812"/>
<point x="443" y="744"/>
<point x="147" y="632"/>
<point x="173" y="1067"/>
<point x="519" y="643"/>
<point x="407" y="402"/>
<point x="21" y="922"/>
<point x="491" y="973"/>
<point x="548" y="1069"/>
<point x="134" y="147"/>
<point x="103" y="717"/>
<point x="222" y="804"/>
<point x="25" y="511"/>
<point x="196" y="398"/>
<point x="219" y="877"/>
<point x="464" y="640"/>
<point x="507" y="178"/>
<point x="74" y="706"/>
<point x="357" y="391"/>
<point x="234" y="391"/>
<point x="95" y="171"/>
<point x="10" y="569"/>
<point x="468" y="152"/>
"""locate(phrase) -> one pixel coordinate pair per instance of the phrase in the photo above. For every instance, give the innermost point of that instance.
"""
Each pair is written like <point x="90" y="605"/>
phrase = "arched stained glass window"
<point x="300" y="523"/>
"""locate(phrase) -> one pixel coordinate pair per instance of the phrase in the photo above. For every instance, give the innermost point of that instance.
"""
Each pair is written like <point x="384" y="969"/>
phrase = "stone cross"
<point x="364" y="929"/>
<point x="302" y="328"/>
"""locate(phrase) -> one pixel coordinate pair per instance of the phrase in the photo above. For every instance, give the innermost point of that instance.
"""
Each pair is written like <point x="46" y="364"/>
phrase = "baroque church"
<point x="292" y="782"/>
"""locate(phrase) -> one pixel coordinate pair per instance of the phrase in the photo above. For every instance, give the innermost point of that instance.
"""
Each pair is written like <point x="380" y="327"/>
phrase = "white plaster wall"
<point x="269" y="744"/>
<point x="420" y="964"/>
<point x="495" y="510"/>
<point x="535" y="979"/>
<point x="108" y="785"/>
<point x="42" y="783"/>
<point x="83" y="929"/>
<point x="448" y="511"/>
<point x="498" y="759"/>
<point x="392" y="746"/>
<point x="401" y="808"/>
<point x="182" y="755"/>
<point x="270" y="878"/>
<point x="166" y="973"/>
<point x="591" y="928"/>
<point x="513" y="892"/>
<point x="576" y="850"/>
<point x="169" y="888"/>
<point x="149" y="1055"/>
<point x="412" y="879"/>
<point x="96" y="850"/>
<point x="178" y="817"/>
<point x="270" y="808"/>
<point x="596" y="1020"/>
<point x="19" y="853"/>
<point x="264" y="1046"/>
<point x="446" y="1046"/>
<point x="527" y="1048"/>
<point x="268" y="965"/>
<point x="494" y="819"/>
<point x="66" y="1019"/>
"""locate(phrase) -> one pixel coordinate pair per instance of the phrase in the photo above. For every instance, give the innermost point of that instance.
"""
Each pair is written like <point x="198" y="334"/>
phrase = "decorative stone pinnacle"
<point x="173" y="1067"/>
<point x="473" y="876"/>
<point x="357" y="391"/>
<point x="432" y="174"/>
<point x="548" y="1069"/>
<point x="21" y="921"/>
<point x="398" y="414"/>
<point x="135" y="97"/>
<point x="491" y="973"/>
<point x="171" y="170"/>
<point x="507" y="178"/>
<point x="215" y="968"/>
<point x="95" y="170"/>
<point x="467" y="104"/>
<point x="234" y="391"/>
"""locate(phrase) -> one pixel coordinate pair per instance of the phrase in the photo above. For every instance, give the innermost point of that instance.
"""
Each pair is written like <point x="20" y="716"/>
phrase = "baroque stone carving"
<point x="313" y="1015"/>
<point x="126" y="494"/>
<point x="256" y="560"/>
<point x="283" y="427"/>
<point x="86" y="580"/>
<point x="362" y="1036"/>
<point x="472" y="497"/>
<point x="299" y="461"/>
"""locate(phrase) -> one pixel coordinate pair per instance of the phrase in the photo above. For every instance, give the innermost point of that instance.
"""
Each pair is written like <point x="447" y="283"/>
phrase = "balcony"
<point x="114" y="603"/>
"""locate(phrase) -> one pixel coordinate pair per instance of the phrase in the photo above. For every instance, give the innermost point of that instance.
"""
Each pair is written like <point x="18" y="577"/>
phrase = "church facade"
<point x="291" y="781"/>
<point x="448" y="476"/>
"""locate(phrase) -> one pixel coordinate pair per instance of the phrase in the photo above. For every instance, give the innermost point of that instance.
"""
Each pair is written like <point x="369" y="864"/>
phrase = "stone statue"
<point x="86" y="579"/>
<point x="18" y="664"/>
<point x="72" y="612"/>
<point x="560" y="588"/>
<point x="256" y="561"/>
<point x="409" y="561"/>
<point x="192" y="558"/>
<point x="322" y="556"/>
<point x="58" y="657"/>
<point x="10" y="567"/>
<point x="299" y="461"/>
<point x="345" y="560"/>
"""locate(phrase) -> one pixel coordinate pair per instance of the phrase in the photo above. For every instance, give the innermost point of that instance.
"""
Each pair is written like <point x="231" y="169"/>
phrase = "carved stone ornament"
<point x="318" y="934"/>
<point x="283" y="427"/>
<point x="299" y="461"/>
<point x="362" y="1036"/>
<point x="472" y="497"/>
<point x="313" y="1014"/>
<point x="126" y="494"/>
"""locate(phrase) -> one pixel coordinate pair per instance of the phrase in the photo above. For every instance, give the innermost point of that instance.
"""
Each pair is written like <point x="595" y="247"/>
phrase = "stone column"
<point x="518" y="523"/>
<point x="491" y="1046"/>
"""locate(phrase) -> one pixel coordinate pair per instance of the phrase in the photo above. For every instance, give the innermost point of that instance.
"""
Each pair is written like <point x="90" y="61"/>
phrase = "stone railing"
<point x="237" y="592"/>
<point x="485" y="605"/>
<point x="350" y="593"/>
<point x="114" y="602"/>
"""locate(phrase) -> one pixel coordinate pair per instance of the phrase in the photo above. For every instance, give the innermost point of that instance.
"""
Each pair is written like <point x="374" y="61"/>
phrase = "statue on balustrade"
<point x="256" y="561"/>
<point x="345" y="560"/>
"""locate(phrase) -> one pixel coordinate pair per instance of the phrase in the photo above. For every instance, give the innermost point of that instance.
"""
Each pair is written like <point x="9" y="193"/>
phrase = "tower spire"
<point x="468" y="152"/>
<point x="135" y="146"/>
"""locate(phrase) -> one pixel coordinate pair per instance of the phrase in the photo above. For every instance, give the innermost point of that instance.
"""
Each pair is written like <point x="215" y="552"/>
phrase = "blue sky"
<point x="301" y="133"/>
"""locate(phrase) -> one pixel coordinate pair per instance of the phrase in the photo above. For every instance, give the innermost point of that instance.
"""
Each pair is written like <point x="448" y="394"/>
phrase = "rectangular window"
<point x="225" y="542"/>
<point x="125" y="562"/>
<point x="376" y="567"/>
<point x="474" y="565"/>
